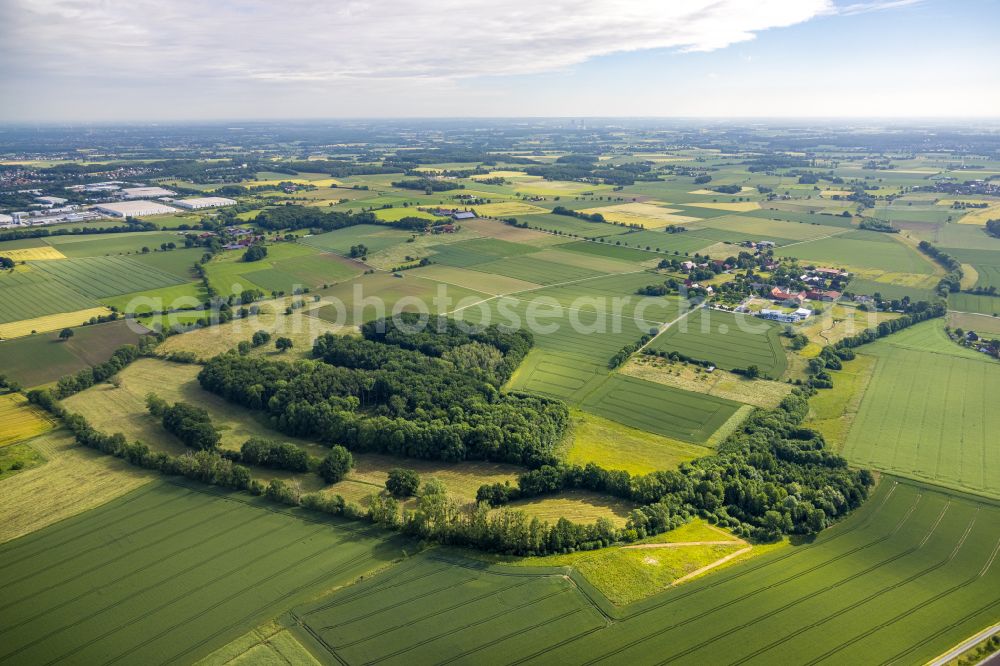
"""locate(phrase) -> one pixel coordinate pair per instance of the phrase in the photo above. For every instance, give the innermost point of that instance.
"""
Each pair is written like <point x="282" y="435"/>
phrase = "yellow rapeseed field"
<point x="44" y="253"/>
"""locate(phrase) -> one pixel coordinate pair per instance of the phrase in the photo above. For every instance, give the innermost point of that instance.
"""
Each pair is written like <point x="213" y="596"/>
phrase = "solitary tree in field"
<point x="402" y="482"/>
<point x="66" y="334"/>
<point x="336" y="465"/>
<point x="283" y="344"/>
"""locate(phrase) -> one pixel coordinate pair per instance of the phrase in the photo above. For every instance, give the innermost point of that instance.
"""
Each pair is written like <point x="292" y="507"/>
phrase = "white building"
<point x="143" y="192"/>
<point x="204" y="202"/>
<point x="52" y="201"/>
<point x="6" y="219"/>
<point x="134" y="208"/>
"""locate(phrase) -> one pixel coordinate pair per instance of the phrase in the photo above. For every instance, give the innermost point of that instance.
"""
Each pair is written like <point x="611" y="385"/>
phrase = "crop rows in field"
<point x="102" y="277"/>
<point x="727" y="340"/>
<point x="168" y="574"/>
<point x="464" y="254"/>
<point x="910" y="574"/>
<point x="20" y="420"/>
<point x="532" y="269"/>
<point x="610" y="250"/>
<point x="927" y="415"/>
<point x="860" y="249"/>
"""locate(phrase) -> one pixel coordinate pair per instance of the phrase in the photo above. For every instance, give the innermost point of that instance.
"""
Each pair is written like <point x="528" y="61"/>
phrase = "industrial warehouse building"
<point x="134" y="208"/>
<point x="204" y="202"/>
<point x="142" y="192"/>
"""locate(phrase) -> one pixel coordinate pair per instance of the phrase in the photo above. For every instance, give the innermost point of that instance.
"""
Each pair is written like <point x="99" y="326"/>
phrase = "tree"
<point x="283" y="344"/>
<point x="752" y="372"/>
<point x="6" y="262"/>
<point x="66" y="334"/>
<point x="260" y="338"/>
<point x="402" y="482"/>
<point x="336" y="464"/>
<point x="192" y="425"/>
<point x="255" y="253"/>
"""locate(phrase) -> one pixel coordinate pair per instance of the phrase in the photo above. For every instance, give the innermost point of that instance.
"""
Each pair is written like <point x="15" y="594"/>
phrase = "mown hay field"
<point x="836" y="600"/>
<point x="171" y="573"/>
<point x="53" y="322"/>
<point x="73" y="479"/>
<point x="727" y="340"/>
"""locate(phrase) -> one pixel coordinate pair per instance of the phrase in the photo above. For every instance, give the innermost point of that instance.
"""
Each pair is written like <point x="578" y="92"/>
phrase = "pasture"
<point x="889" y="290"/>
<point x="916" y="420"/>
<point x="611" y="250"/>
<point x="39" y="359"/>
<point x="910" y="574"/>
<point x="659" y="241"/>
<point x="553" y="269"/>
<point x="171" y="573"/>
<point x="229" y="274"/>
<point x="728" y="340"/>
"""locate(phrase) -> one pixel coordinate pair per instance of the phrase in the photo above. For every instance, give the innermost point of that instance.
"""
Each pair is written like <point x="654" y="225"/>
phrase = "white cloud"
<point x="307" y="41"/>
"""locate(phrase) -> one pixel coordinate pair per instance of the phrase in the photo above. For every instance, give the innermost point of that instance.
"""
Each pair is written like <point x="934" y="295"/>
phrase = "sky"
<point x="86" y="61"/>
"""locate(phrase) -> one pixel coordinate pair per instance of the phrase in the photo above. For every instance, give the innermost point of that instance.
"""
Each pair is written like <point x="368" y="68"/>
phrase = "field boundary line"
<point x="709" y="567"/>
<point x="972" y="641"/>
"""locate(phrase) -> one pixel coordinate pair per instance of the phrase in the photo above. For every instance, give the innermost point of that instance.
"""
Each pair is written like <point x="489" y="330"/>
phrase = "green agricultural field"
<point x="27" y="293"/>
<point x="962" y="302"/>
<point x="926" y="413"/>
<point x="727" y="340"/>
<point x="909" y="575"/>
<point x="861" y="249"/>
<point x="986" y="263"/>
<point x="102" y="277"/>
<point x="742" y="227"/>
<point x="539" y="271"/>
<point x="43" y="358"/>
<point x="176" y="262"/>
<point x="890" y="291"/>
<point x="687" y="242"/>
<point x="394" y="214"/>
<point x="99" y="245"/>
<point x="380" y="294"/>
<point x="571" y="226"/>
<point x="374" y="237"/>
<point x="477" y="251"/>
<point x="229" y="274"/>
<point x="611" y="250"/>
<point x="170" y="573"/>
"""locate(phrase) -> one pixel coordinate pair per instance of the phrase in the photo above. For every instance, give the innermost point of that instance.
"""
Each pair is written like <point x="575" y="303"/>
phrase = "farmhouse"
<point x="463" y="215"/>
<point x="204" y="202"/>
<point x="785" y="297"/>
<point x="822" y="295"/>
<point x="830" y="272"/>
<point x="142" y="192"/>
<point x="134" y="208"/>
